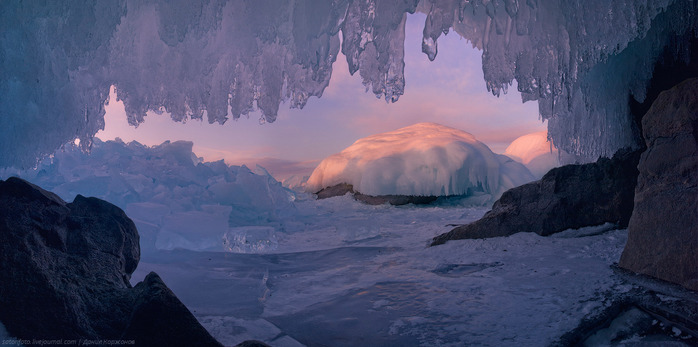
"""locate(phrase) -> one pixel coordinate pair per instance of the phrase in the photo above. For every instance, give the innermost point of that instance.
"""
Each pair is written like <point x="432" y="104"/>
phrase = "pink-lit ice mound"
<point x="424" y="159"/>
<point x="535" y="151"/>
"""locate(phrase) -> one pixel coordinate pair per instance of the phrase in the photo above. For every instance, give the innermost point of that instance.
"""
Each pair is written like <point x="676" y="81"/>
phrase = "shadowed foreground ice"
<point x="358" y="275"/>
<point x="253" y="260"/>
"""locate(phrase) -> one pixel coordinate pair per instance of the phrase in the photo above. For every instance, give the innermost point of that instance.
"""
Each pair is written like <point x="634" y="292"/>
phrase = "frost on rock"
<point x="581" y="60"/>
<point x="175" y="199"/>
<point x="424" y="159"/>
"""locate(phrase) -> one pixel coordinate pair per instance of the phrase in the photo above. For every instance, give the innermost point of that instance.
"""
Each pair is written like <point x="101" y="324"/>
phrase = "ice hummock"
<point x="535" y="151"/>
<point x="424" y="159"/>
<point x="175" y="198"/>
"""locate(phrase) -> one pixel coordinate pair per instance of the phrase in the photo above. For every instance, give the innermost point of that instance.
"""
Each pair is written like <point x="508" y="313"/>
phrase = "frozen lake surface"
<point x="345" y="274"/>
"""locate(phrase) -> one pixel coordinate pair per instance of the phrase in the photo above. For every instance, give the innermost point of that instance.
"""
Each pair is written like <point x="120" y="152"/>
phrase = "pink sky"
<point x="450" y="91"/>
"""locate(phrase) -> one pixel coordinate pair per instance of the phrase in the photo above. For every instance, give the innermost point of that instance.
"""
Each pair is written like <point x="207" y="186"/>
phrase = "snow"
<point x="579" y="59"/>
<point x="254" y="260"/>
<point x="535" y="151"/>
<point x="332" y="272"/>
<point x="424" y="159"/>
<point x="353" y="274"/>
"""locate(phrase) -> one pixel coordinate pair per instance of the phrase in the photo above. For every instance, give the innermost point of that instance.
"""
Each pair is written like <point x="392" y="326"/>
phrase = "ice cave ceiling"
<point x="581" y="60"/>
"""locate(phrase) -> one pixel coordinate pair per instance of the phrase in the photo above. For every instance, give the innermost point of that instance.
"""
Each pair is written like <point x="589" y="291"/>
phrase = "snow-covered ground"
<point x="352" y="274"/>
<point x="254" y="260"/>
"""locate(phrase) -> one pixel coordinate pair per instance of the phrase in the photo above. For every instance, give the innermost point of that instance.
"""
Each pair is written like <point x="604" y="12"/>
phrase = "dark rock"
<point x="568" y="197"/>
<point x="157" y="309"/>
<point x="663" y="229"/>
<point x="61" y="264"/>
<point x="336" y="190"/>
<point x="344" y="188"/>
<point x="395" y="200"/>
<point x="65" y="271"/>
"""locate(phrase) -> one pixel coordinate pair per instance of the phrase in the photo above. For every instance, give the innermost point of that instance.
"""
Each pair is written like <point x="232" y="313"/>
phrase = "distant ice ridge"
<point x="535" y="151"/>
<point x="581" y="59"/>
<point x="175" y="199"/>
<point x="295" y="182"/>
<point x="424" y="159"/>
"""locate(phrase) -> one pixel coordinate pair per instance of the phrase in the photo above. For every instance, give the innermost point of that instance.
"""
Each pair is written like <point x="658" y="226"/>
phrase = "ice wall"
<point x="215" y="59"/>
<point x="582" y="60"/>
<point x="53" y="74"/>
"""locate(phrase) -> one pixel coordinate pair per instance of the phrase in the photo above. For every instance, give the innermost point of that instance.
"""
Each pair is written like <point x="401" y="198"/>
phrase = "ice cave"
<point x="586" y="234"/>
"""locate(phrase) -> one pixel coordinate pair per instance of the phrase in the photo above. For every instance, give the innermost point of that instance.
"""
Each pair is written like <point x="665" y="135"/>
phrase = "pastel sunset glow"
<point x="424" y="159"/>
<point x="449" y="91"/>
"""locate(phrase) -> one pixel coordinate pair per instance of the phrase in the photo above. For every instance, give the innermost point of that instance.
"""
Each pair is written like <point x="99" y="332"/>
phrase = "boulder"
<point x="567" y="197"/>
<point x="157" y="309"/>
<point x="65" y="271"/>
<point x="335" y="190"/>
<point x="663" y="229"/>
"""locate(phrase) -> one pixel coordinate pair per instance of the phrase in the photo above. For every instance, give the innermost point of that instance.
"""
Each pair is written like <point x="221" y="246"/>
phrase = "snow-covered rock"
<point x="569" y="197"/>
<point x="535" y="151"/>
<point x="424" y="159"/>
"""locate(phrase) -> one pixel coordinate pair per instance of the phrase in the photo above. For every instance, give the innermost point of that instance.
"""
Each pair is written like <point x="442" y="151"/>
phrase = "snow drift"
<point x="535" y="151"/>
<point x="424" y="159"/>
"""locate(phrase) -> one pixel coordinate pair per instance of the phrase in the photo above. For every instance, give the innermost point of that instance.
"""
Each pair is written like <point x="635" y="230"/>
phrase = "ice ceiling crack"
<point x="580" y="59"/>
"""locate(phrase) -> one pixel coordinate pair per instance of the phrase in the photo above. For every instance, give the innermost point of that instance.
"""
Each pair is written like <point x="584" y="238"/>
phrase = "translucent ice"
<point x="581" y="60"/>
<point x="250" y="239"/>
<point x="379" y="283"/>
<point x="175" y="199"/>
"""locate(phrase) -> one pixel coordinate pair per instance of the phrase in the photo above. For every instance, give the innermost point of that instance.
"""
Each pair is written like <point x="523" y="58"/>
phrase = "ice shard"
<point x="581" y="60"/>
